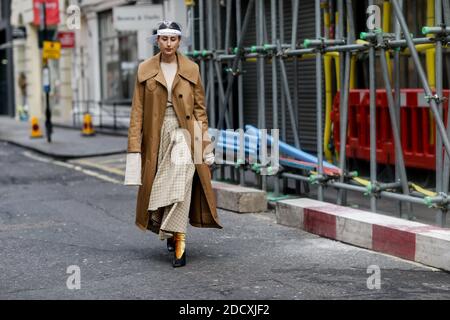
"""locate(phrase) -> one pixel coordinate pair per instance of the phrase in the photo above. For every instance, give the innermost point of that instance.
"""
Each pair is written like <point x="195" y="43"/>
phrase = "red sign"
<point x="51" y="11"/>
<point x="67" y="39"/>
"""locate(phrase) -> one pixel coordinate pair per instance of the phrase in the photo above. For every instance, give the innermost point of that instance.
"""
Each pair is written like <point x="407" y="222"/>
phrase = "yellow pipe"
<point x="406" y="51"/>
<point x="308" y="56"/>
<point x="423" y="190"/>
<point x="326" y="19"/>
<point x="352" y="72"/>
<point x="336" y="57"/>
<point x="431" y="66"/>
<point x="333" y="54"/>
<point x="419" y="48"/>
<point x="338" y="71"/>
<point x="359" y="41"/>
<point x="361" y="181"/>
<point x="386" y="28"/>
<point x="313" y="55"/>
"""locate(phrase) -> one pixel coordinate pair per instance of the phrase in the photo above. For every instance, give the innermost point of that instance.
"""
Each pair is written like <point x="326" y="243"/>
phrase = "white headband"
<point x="168" y="32"/>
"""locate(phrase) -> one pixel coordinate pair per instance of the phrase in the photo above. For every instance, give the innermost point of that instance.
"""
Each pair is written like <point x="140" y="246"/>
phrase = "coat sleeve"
<point x="133" y="160"/>
<point x="136" y="118"/>
<point x="200" y="114"/>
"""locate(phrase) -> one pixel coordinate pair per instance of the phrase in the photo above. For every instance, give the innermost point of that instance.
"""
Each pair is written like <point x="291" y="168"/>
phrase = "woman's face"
<point x="168" y="44"/>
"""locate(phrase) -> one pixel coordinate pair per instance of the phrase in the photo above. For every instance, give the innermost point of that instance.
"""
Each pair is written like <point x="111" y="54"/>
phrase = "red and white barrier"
<point x="409" y="240"/>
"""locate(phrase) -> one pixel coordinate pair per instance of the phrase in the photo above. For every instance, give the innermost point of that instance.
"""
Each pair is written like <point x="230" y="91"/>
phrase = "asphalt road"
<point x="56" y="215"/>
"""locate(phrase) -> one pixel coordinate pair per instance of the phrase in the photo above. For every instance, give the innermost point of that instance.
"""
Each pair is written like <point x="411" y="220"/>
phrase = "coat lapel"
<point x="152" y="68"/>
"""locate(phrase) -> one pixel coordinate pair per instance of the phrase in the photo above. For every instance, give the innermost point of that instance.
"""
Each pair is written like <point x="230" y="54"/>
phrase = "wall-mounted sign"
<point x="139" y="17"/>
<point x="19" y="32"/>
<point x="67" y="39"/>
<point x="51" y="11"/>
<point x="51" y="50"/>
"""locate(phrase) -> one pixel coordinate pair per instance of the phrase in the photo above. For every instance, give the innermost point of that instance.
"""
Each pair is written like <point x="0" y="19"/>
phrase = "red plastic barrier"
<point x="416" y="134"/>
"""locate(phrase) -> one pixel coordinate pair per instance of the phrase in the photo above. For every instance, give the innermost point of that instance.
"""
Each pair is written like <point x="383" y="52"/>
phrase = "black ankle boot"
<point x="171" y="244"/>
<point x="179" y="255"/>
<point x="179" y="262"/>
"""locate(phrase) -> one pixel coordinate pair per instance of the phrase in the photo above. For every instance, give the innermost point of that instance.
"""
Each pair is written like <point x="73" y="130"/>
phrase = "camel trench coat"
<point x="146" y="119"/>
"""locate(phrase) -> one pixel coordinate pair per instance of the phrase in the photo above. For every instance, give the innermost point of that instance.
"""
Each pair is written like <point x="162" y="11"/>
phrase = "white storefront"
<point x="112" y="39"/>
<point x="28" y="63"/>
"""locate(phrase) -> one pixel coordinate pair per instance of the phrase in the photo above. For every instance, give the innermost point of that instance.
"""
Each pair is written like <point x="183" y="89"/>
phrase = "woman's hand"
<point x="209" y="158"/>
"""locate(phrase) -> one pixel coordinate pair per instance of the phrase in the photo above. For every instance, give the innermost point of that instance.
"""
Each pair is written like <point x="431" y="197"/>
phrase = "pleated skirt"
<point x="170" y="196"/>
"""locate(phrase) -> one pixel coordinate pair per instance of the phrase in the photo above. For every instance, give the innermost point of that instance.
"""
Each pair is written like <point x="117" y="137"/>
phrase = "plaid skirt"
<point x="170" y="196"/>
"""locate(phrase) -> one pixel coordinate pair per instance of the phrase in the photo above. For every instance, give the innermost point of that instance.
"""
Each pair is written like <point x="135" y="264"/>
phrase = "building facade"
<point x="96" y="73"/>
<point x="113" y="38"/>
<point x="28" y="63"/>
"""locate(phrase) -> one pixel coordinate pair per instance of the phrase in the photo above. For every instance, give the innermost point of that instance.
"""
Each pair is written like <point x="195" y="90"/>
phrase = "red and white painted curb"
<point x="409" y="240"/>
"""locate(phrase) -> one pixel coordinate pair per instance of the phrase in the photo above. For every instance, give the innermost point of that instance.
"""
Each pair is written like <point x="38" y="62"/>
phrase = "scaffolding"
<point x="216" y="54"/>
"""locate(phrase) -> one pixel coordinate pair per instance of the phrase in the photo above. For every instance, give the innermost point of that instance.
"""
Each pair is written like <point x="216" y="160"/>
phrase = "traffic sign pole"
<point x="46" y="77"/>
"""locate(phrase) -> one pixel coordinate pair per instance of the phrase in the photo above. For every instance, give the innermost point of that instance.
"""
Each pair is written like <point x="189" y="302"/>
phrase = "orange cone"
<point x="88" y="128"/>
<point x="35" y="130"/>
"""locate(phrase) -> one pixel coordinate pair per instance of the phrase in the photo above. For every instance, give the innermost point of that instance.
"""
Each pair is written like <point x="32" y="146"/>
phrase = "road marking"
<point x="71" y="166"/>
<point x="121" y="160"/>
<point x="99" y="166"/>
<point x="28" y="226"/>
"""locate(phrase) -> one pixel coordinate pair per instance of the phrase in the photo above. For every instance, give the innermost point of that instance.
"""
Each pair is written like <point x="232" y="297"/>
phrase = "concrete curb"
<point x="103" y="131"/>
<point x="405" y="239"/>
<point x="239" y="199"/>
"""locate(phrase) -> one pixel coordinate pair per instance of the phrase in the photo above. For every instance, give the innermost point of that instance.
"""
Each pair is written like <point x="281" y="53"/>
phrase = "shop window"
<point x="118" y="60"/>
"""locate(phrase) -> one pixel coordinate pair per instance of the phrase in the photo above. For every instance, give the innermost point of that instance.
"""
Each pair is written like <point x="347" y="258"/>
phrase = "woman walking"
<point x="169" y="150"/>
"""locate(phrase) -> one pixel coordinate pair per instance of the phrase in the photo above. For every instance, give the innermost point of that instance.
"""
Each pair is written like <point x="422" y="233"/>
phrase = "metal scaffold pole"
<point x="259" y="13"/>
<point x="446" y="170"/>
<point x="202" y="36"/>
<point x="441" y="215"/>
<point x="397" y="95"/>
<point x="342" y="195"/>
<point x="373" y="123"/>
<point x="273" y="24"/>
<point x="319" y="101"/>
<point x="241" y="155"/>
<point x="393" y="117"/>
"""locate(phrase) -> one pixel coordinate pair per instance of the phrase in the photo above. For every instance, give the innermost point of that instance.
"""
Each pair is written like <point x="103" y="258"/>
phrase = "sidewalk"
<point x="66" y="143"/>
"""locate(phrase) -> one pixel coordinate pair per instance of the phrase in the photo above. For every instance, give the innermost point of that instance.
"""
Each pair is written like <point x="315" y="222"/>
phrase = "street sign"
<point x="67" y="39"/>
<point x="19" y="33"/>
<point x="51" y="12"/>
<point x="51" y="50"/>
<point x="138" y="17"/>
